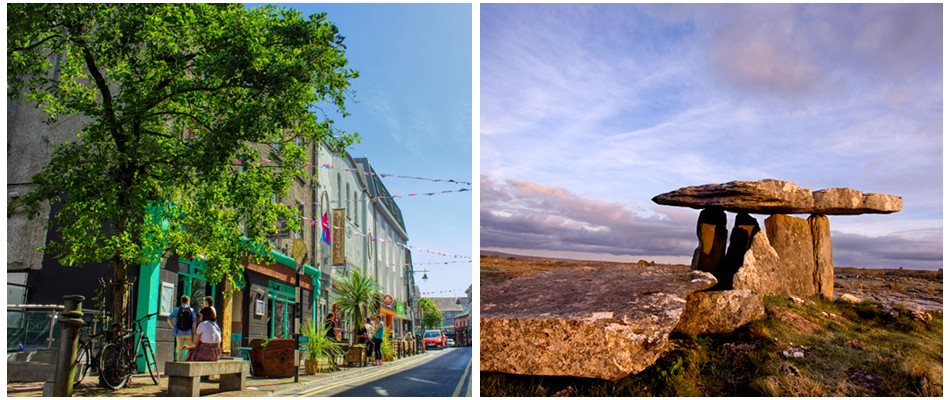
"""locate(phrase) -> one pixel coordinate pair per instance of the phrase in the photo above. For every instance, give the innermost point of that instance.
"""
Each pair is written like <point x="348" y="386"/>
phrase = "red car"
<point x="434" y="338"/>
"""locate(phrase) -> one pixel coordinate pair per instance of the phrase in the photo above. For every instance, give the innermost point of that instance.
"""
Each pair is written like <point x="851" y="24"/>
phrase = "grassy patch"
<point x="860" y="351"/>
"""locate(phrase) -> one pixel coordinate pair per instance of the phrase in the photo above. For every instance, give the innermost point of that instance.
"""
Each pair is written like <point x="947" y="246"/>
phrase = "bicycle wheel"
<point x="83" y="361"/>
<point x="113" y="367"/>
<point x="150" y="361"/>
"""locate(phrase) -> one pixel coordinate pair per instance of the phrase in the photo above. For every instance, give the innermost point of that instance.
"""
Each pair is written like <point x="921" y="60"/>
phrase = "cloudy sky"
<point x="413" y="110"/>
<point x="588" y="111"/>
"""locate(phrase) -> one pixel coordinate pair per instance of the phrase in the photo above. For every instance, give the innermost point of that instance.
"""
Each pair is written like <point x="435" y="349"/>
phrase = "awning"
<point x="393" y="314"/>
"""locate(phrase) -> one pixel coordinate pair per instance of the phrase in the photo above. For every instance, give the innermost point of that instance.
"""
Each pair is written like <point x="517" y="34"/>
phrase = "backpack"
<point x="184" y="320"/>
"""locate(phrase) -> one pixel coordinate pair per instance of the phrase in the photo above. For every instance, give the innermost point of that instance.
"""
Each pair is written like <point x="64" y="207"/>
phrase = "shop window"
<point x="191" y="282"/>
<point x="280" y="303"/>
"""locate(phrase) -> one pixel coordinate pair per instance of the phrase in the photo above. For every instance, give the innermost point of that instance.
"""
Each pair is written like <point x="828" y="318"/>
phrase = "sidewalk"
<point x="140" y="385"/>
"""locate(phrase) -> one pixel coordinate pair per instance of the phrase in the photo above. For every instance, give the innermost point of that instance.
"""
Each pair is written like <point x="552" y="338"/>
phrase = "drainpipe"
<point x="315" y="183"/>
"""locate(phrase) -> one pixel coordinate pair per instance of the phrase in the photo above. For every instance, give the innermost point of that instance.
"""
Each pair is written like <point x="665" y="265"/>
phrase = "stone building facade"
<point x="266" y="305"/>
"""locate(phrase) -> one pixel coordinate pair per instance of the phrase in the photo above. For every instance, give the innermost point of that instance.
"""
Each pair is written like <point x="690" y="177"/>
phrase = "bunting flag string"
<point x="328" y="166"/>
<point x="386" y="197"/>
<point x="439" y="291"/>
<point x="408" y="246"/>
<point x="428" y="263"/>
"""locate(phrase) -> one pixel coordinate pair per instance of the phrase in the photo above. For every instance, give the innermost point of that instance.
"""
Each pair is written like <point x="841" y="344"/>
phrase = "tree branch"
<point x="31" y="47"/>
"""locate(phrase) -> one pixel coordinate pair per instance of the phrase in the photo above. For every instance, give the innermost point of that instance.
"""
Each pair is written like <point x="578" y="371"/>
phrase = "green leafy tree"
<point x="358" y="297"/>
<point x="197" y="115"/>
<point x="431" y="315"/>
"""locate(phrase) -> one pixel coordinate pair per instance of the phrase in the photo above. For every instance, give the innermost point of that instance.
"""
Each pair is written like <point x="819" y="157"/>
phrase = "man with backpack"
<point x="183" y="321"/>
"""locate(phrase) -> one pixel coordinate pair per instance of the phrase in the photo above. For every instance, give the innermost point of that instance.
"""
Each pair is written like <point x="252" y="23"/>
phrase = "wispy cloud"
<point x="622" y="102"/>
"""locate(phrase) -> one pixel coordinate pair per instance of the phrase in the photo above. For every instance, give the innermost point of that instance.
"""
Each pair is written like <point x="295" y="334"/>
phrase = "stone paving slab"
<point x="141" y="385"/>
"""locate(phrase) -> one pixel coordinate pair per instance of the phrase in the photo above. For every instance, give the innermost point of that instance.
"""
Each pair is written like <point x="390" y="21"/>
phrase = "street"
<point x="440" y="373"/>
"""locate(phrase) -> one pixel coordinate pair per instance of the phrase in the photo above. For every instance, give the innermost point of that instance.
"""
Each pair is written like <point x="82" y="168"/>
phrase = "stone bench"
<point x="184" y="377"/>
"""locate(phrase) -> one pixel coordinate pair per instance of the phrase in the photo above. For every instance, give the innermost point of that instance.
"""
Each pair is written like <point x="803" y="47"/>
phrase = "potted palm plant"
<point x="321" y="351"/>
<point x="387" y="348"/>
<point x="358" y="292"/>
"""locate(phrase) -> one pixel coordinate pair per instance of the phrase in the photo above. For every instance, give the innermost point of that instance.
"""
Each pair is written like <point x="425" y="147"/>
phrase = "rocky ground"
<point x="889" y="344"/>
<point x="916" y="289"/>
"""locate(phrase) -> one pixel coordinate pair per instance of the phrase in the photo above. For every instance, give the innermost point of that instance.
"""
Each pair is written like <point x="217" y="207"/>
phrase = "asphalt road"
<point x="447" y="374"/>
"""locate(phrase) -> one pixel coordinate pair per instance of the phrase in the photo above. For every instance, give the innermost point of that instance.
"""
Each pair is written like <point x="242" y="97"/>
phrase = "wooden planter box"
<point x="274" y="361"/>
<point x="356" y="355"/>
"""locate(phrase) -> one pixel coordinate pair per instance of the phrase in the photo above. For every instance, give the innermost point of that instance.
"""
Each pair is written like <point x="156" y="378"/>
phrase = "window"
<point x="356" y="207"/>
<point x="348" y="202"/>
<point x="339" y="192"/>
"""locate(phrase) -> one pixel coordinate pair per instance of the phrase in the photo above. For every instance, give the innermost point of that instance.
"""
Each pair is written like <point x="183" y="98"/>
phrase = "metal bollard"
<point x="71" y="321"/>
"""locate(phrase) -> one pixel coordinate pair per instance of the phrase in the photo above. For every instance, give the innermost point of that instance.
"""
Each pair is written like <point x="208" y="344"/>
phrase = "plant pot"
<point x="312" y="367"/>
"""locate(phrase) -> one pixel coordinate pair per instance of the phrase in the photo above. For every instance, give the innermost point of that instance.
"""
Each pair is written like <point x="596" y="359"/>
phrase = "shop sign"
<point x="400" y="308"/>
<point x="388" y="300"/>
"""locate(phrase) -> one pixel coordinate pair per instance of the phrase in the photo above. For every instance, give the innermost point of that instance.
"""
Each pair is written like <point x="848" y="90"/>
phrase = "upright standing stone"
<point x="824" y="266"/>
<point x="711" y="230"/>
<point x="761" y="268"/>
<point x="791" y="238"/>
<point x="739" y="242"/>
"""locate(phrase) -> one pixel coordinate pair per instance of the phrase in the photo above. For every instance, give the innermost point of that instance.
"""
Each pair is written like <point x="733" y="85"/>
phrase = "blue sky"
<point x="588" y="111"/>
<point x="413" y="110"/>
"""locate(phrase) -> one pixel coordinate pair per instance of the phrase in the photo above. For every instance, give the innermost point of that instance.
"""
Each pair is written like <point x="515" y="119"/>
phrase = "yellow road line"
<point x="464" y="375"/>
<point x="360" y="378"/>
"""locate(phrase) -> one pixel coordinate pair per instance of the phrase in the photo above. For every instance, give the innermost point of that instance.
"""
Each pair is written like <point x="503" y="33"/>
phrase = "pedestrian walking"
<point x="330" y="328"/>
<point x="183" y="321"/>
<point x="368" y="328"/>
<point x="379" y="327"/>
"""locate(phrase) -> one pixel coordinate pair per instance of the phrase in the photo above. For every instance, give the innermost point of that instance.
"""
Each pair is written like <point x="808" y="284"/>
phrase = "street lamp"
<point x="425" y="277"/>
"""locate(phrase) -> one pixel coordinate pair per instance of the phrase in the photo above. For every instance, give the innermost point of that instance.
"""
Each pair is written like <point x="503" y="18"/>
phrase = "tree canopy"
<point x="431" y="315"/>
<point x="198" y="114"/>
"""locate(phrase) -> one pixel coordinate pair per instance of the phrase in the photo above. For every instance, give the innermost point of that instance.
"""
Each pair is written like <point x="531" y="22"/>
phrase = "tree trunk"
<point x="120" y="291"/>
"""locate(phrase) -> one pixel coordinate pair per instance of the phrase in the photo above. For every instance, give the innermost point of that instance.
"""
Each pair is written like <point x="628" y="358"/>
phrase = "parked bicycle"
<point x="87" y="359"/>
<point x="118" y="360"/>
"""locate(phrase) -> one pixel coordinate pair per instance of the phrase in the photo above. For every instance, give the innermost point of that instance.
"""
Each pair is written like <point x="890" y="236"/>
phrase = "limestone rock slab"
<point x="770" y="196"/>
<point x="583" y="322"/>
<point x="720" y="311"/>
<point x="759" y="268"/>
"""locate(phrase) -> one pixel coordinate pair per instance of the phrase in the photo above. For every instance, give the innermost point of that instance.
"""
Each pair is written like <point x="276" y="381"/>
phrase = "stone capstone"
<point x="824" y="266"/>
<point x="770" y="196"/>
<point x="605" y="323"/>
<point x="711" y="230"/>
<point x="720" y="311"/>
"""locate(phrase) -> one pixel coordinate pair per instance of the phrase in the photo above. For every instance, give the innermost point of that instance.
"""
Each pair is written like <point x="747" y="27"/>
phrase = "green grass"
<point x="899" y="350"/>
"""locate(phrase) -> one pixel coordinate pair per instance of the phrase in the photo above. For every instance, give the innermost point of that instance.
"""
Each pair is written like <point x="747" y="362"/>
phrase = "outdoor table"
<point x="246" y="355"/>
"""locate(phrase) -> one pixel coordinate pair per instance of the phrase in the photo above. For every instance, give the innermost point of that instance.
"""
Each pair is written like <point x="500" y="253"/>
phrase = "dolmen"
<point x="611" y="322"/>
<point x="793" y="256"/>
